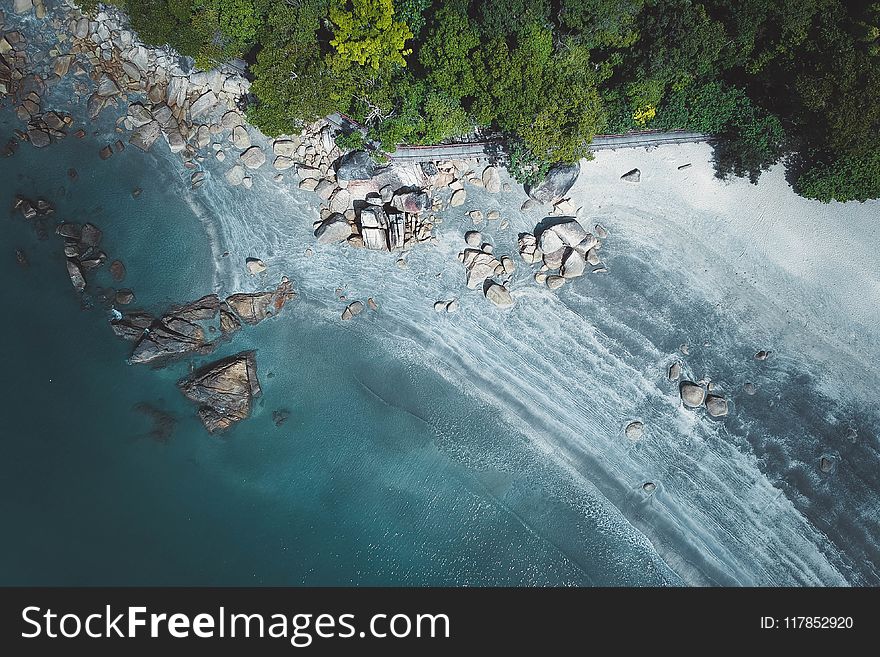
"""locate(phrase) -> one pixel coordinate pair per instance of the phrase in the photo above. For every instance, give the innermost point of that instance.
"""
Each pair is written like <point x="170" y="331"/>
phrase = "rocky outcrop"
<point x="224" y="390"/>
<point x="560" y="178"/>
<point x="254" y="307"/>
<point x="356" y="165"/>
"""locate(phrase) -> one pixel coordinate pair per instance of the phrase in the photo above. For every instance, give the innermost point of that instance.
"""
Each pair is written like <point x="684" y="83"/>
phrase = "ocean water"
<point x="384" y="473"/>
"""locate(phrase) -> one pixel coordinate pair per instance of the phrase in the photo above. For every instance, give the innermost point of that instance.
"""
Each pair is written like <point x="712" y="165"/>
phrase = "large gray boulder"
<point x="357" y="165"/>
<point x="333" y="229"/>
<point x="224" y="390"/>
<point x="499" y="295"/>
<point x="692" y="394"/>
<point x="145" y="136"/>
<point x="560" y="178"/>
<point x="412" y="202"/>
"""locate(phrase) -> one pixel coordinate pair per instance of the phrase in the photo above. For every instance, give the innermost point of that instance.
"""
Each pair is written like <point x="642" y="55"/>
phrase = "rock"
<point x="412" y="202"/>
<point x="540" y="278"/>
<point x="674" y="371"/>
<point x="473" y="238"/>
<point x="333" y="229"/>
<point x="476" y="216"/>
<point x="555" y="282"/>
<point x="282" y="163"/>
<point x="401" y="263"/>
<point x="600" y="231"/>
<point x="762" y="355"/>
<point x="340" y="201"/>
<point x="22" y="6"/>
<point x="353" y="309"/>
<point x="550" y="241"/>
<point x="131" y="325"/>
<point x="203" y="104"/>
<point x="107" y="87"/>
<point x="560" y="178"/>
<point x="372" y="304"/>
<point x="253" y="308"/>
<point x="139" y="115"/>
<point x="716" y="405"/>
<point x="124" y="297"/>
<point x="307" y="173"/>
<point x="692" y="394"/>
<point x="573" y="264"/>
<point x="255" y="266"/>
<point x="750" y="388"/>
<point x="224" y="390"/>
<point x="240" y="138"/>
<point x="356" y="165"/>
<point x="91" y="235"/>
<point x="76" y="275"/>
<point x="280" y="416"/>
<point x="386" y="194"/>
<point x="62" y="65"/>
<point x="529" y="204"/>
<point x="374" y="226"/>
<point x="146" y="135"/>
<point x="325" y="189"/>
<point x="491" y="180"/>
<point x="528" y="248"/>
<point x="479" y="267"/>
<point x="231" y="119"/>
<point x="459" y="196"/>
<point x="635" y="430"/>
<point x="593" y="257"/>
<point x="253" y="157"/>
<point x="826" y="464"/>
<point x="508" y="264"/>
<point x="235" y="175"/>
<point x="197" y="179"/>
<point x="632" y="176"/>
<point x="106" y="152"/>
<point x="649" y="487"/>
<point x="117" y="270"/>
<point x="440" y="306"/>
<point x="493" y="215"/>
<point x="284" y="148"/>
<point x="38" y="137"/>
<point x="499" y="295"/>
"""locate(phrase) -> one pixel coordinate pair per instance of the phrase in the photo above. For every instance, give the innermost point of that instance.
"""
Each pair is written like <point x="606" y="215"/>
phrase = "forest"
<point x="796" y="81"/>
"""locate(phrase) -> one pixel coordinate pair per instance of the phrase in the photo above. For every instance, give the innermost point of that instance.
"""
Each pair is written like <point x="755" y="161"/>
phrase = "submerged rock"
<point x="224" y="390"/>
<point x="76" y="275"/>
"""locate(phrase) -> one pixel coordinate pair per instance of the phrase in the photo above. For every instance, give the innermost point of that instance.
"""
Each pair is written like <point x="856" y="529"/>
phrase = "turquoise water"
<point x="384" y="473"/>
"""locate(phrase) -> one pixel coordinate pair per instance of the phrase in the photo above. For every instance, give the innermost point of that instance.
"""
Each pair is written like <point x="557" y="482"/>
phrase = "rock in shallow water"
<point x="499" y="295"/>
<point x="635" y="430"/>
<point x="692" y="394"/>
<point x="224" y="390"/>
<point x="716" y="405"/>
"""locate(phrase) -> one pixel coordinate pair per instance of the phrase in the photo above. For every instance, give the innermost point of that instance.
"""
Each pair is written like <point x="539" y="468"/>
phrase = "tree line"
<point x="774" y="80"/>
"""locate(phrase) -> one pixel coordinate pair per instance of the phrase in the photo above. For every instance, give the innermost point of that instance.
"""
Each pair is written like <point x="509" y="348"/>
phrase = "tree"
<point x="851" y="178"/>
<point x="446" y="52"/>
<point x="602" y="23"/>
<point x="503" y="17"/>
<point x="367" y="34"/>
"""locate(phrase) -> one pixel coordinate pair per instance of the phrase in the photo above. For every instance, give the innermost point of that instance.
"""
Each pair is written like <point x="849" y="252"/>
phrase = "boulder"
<point x="284" y="147"/>
<point x="479" y="267"/>
<point x="750" y="388"/>
<point x="76" y="275"/>
<point x="240" y="138"/>
<point x="282" y="163"/>
<point x="508" y="264"/>
<point x="106" y="153"/>
<point x="90" y="235"/>
<point x="491" y="180"/>
<point x="224" y="390"/>
<point x="255" y="266"/>
<point x="559" y="179"/>
<point x="573" y="264"/>
<point x="528" y="248"/>
<point x="107" y="86"/>
<point x="117" y="270"/>
<point x="22" y="6"/>
<point x="38" y="137"/>
<point x="716" y="405"/>
<point x="353" y="309"/>
<point x="203" y="104"/>
<point x="231" y="119"/>
<point x="235" y="175"/>
<point x="253" y="308"/>
<point x="459" y="196"/>
<point x="632" y="176"/>
<point x="674" y="371"/>
<point x="131" y="325"/>
<point x="62" y="65"/>
<point x="499" y="295"/>
<point x="555" y="282"/>
<point x="145" y="136"/>
<point x="473" y="238"/>
<point x="356" y="165"/>
<point x="340" y="201"/>
<point x="139" y="115"/>
<point x="635" y="430"/>
<point x="762" y="355"/>
<point x="124" y="297"/>
<point x="692" y="394"/>
<point x="412" y="202"/>
<point x="333" y="229"/>
<point x="253" y="157"/>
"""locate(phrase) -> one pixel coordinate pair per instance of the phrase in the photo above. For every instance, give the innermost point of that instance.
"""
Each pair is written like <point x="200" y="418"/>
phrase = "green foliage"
<point x="852" y="178"/>
<point x="367" y="34"/>
<point x="502" y="17"/>
<point x="524" y="166"/>
<point x="445" y="54"/>
<point x="412" y="12"/>
<point x="602" y="23"/>
<point x="350" y="141"/>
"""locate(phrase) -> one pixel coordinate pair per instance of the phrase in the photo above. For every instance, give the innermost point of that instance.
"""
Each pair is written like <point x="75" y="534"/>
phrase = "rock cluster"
<point x="694" y="395"/>
<point x="561" y="244"/>
<point x="482" y="267"/>
<point x="199" y="326"/>
<point x="224" y="390"/>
